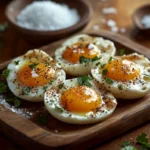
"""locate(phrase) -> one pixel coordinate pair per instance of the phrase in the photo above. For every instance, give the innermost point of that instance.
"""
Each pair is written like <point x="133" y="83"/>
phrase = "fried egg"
<point x="77" y="103"/>
<point x="126" y="77"/>
<point x="80" y="53"/>
<point x="30" y="75"/>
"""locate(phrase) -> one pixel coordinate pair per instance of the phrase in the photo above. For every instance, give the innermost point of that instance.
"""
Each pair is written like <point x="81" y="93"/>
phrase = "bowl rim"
<point x="135" y="17"/>
<point x="72" y="28"/>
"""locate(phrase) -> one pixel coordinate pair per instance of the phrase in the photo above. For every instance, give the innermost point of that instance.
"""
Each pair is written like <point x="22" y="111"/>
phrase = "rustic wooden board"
<point x="31" y="135"/>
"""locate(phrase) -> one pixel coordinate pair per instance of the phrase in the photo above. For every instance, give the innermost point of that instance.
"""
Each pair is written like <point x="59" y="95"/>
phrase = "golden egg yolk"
<point x="74" y="52"/>
<point x="121" y="70"/>
<point x="39" y="75"/>
<point x="80" y="99"/>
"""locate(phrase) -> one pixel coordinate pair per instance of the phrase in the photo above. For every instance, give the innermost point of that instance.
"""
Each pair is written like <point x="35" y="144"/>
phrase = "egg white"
<point x="106" y="49"/>
<point x="131" y="89"/>
<point x="34" y="94"/>
<point x="53" y="105"/>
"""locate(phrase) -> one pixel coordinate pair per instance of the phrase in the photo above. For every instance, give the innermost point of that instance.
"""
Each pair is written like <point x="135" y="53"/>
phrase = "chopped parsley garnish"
<point x="16" y="62"/>
<point x="87" y="60"/>
<point x="26" y="90"/>
<point x="84" y="60"/>
<point x="14" y="101"/>
<point x="33" y="66"/>
<point x="85" y="80"/>
<point x="45" y="88"/>
<point x="122" y="52"/>
<point x="60" y="86"/>
<point x="95" y="58"/>
<point x="103" y="65"/>
<point x="97" y="64"/>
<point x="6" y="72"/>
<point x="120" y="87"/>
<point x="3" y="87"/>
<point x="110" y="59"/>
<point x="143" y="140"/>
<point x="42" y="119"/>
<point x="104" y="72"/>
<point x="51" y="82"/>
<point x="58" y="109"/>
<point x="108" y="80"/>
<point x="127" y="146"/>
<point x="47" y="63"/>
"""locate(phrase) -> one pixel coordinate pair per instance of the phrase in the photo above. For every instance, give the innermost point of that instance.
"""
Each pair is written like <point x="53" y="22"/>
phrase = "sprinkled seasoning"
<point x="47" y="15"/>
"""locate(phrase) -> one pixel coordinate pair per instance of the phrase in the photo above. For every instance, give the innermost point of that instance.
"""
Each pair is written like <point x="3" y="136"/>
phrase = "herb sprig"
<point x="85" y="80"/>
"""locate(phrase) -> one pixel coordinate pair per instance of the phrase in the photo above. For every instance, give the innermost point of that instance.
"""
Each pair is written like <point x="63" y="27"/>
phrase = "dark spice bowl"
<point x="139" y="14"/>
<point x="44" y="37"/>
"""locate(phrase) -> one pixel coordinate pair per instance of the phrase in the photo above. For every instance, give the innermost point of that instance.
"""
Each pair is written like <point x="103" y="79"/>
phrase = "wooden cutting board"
<point x="23" y="128"/>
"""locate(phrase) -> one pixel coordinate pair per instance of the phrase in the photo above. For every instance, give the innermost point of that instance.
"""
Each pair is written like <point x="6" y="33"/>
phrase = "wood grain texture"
<point x="15" y="45"/>
<point x="127" y="115"/>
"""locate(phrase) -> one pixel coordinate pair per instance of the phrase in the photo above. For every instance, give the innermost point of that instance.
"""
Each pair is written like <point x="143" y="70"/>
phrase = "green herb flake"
<point x="16" y="62"/>
<point x="17" y="103"/>
<point x="84" y="60"/>
<point x="60" y="86"/>
<point x="3" y="87"/>
<point x="95" y="58"/>
<point x="26" y="90"/>
<point x="108" y="80"/>
<point x="97" y="64"/>
<point x="58" y="109"/>
<point x="104" y="72"/>
<point x="127" y="146"/>
<point x="42" y="119"/>
<point x="103" y="65"/>
<point x="6" y="72"/>
<point x="120" y="87"/>
<point x="3" y="26"/>
<point x="125" y="143"/>
<point x="143" y="140"/>
<point x="51" y="82"/>
<point x="110" y="59"/>
<point x="14" y="101"/>
<point x="33" y="66"/>
<point x="85" y="80"/>
<point x="45" y="88"/>
<point x="122" y="52"/>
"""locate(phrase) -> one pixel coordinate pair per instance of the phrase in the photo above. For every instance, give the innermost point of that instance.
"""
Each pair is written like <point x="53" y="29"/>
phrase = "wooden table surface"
<point x="14" y="45"/>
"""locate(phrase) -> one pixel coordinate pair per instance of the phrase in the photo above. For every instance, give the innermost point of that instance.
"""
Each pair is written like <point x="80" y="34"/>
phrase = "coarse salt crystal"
<point x="90" y="46"/>
<point x="47" y="15"/>
<point x="96" y="27"/>
<point x="123" y="30"/>
<point x="109" y="10"/>
<point x="114" y="29"/>
<point x="34" y="74"/>
<point x="111" y="23"/>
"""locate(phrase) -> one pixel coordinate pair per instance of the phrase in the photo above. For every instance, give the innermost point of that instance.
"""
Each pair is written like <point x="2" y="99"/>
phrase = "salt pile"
<point x="146" y="21"/>
<point x="47" y="15"/>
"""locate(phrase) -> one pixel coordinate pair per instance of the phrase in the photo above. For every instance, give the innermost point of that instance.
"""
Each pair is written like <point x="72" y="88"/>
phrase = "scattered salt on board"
<point x="47" y="15"/>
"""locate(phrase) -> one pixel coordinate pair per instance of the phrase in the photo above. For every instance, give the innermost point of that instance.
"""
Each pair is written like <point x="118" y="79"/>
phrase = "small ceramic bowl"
<point x="44" y="37"/>
<point x="138" y="16"/>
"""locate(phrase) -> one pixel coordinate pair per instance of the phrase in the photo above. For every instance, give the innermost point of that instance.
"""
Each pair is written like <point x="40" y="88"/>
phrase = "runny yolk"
<point x="37" y="76"/>
<point x="74" y="52"/>
<point x="121" y="70"/>
<point x="80" y="99"/>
